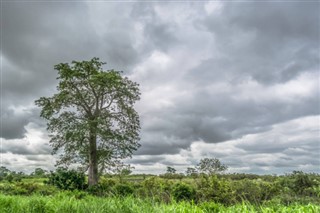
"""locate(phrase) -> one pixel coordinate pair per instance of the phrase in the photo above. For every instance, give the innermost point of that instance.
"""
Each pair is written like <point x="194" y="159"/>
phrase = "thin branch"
<point x="111" y="101"/>
<point x="85" y="106"/>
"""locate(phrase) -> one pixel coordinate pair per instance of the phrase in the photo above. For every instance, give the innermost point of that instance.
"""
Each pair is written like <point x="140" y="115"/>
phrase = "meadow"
<point x="68" y="192"/>
<point x="66" y="202"/>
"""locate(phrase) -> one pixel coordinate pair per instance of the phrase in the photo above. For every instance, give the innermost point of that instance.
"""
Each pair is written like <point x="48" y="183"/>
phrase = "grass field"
<point x="296" y="192"/>
<point x="66" y="202"/>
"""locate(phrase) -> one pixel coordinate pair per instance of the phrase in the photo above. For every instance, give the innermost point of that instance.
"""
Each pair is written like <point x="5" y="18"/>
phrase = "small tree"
<point x="4" y="171"/>
<point x="121" y="170"/>
<point x="171" y="170"/>
<point x="211" y="166"/>
<point x="39" y="172"/>
<point x="91" y="119"/>
<point x="192" y="172"/>
<point x="126" y="171"/>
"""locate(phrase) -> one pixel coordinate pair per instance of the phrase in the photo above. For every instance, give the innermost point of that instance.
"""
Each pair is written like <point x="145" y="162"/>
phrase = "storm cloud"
<point x="234" y="80"/>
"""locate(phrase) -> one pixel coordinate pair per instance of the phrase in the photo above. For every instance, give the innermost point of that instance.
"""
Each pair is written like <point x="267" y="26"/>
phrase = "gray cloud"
<point x="33" y="142"/>
<point x="146" y="160"/>
<point x="266" y="44"/>
<point x="209" y="71"/>
<point x="14" y="121"/>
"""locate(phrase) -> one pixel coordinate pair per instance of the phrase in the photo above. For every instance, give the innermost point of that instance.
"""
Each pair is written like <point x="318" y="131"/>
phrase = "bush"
<point x="172" y="176"/>
<point x="157" y="188"/>
<point x="247" y="190"/>
<point x="67" y="179"/>
<point x="301" y="183"/>
<point x="182" y="191"/>
<point x="103" y="188"/>
<point x="22" y="188"/>
<point x="210" y="188"/>
<point x="255" y="191"/>
<point x="123" y="189"/>
<point x="10" y="189"/>
<point x="107" y="183"/>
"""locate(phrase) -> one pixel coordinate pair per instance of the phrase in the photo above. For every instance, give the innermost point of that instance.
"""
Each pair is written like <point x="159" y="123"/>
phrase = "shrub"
<point x="9" y="178"/>
<point x="107" y="183"/>
<point x="301" y="182"/>
<point x="9" y="189"/>
<point x="103" y="188"/>
<point x="22" y="188"/>
<point x="67" y="179"/>
<point x="182" y="191"/>
<point x="157" y="188"/>
<point x="210" y="188"/>
<point x="123" y="189"/>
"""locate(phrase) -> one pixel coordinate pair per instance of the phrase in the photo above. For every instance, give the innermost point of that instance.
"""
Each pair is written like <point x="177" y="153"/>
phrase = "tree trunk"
<point x="93" y="160"/>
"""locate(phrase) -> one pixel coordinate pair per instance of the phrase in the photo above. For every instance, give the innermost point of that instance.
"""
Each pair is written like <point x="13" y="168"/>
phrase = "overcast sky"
<point x="235" y="81"/>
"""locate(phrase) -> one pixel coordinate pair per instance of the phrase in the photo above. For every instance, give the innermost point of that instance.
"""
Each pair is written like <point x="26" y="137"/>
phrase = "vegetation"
<point x="211" y="166"/>
<point x="66" y="191"/>
<point x="92" y="116"/>
<point x="92" y="121"/>
<point x="65" y="203"/>
<point x="67" y="179"/>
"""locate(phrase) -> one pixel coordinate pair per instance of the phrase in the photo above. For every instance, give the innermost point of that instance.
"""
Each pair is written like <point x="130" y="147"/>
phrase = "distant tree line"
<point x="206" y="166"/>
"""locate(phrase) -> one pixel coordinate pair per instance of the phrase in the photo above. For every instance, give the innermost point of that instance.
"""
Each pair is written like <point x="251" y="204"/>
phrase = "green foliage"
<point x="67" y="179"/>
<point x="208" y="192"/>
<point x="22" y="188"/>
<point x="182" y="191"/>
<point x="120" y="169"/>
<point x="240" y="176"/>
<point x="302" y="182"/>
<point x="107" y="183"/>
<point x="210" y="188"/>
<point x="157" y="188"/>
<point x="255" y="191"/>
<point x="4" y="171"/>
<point x="9" y="178"/>
<point x="211" y="207"/>
<point x="211" y="166"/>
<point x="66" y="202"/>
<point x="92" y="117"/>
<point x="172" y="176"/>
<point x="104" y="188"/>
<point x="123" y="189"/>
<point x="39" y="172"/>
<point x="171" y="170"/>
<point x="192" y="172"/>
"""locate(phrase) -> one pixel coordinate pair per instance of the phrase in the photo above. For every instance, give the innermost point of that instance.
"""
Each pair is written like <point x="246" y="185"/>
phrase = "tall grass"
<point x="82" y="203"/>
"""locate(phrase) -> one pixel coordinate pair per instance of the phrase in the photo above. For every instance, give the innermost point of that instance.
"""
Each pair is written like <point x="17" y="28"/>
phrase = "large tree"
<point x="91" y="119"/>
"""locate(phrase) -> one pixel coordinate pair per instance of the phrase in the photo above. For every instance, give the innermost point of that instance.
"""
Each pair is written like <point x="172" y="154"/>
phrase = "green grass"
<point x="65" y="202"/>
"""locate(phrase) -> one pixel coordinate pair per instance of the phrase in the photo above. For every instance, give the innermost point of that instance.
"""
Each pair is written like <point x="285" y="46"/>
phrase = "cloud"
<point x="220" y="78"/>
<point x="34" y="142"/>
<point x="27" y="153"/>
<point x="284" y="147"/>
<point x="270" y="45"/>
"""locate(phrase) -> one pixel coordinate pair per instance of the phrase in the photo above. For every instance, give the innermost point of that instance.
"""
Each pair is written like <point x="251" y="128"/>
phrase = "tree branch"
<point x="85" y="106"/>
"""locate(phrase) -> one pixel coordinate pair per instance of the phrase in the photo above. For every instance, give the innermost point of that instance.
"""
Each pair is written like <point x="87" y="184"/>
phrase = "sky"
<point x="237" y="81"/>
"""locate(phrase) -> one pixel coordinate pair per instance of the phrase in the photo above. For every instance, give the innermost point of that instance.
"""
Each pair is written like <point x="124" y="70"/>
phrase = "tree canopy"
<point x="211" y="166"/>
<point x="92" y="119"/>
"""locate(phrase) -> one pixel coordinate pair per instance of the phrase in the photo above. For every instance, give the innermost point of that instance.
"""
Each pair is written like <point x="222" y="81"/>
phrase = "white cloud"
<point x="302" y="87"/>
<point x="213" y="7"/>
<point x="287" y="146"/>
